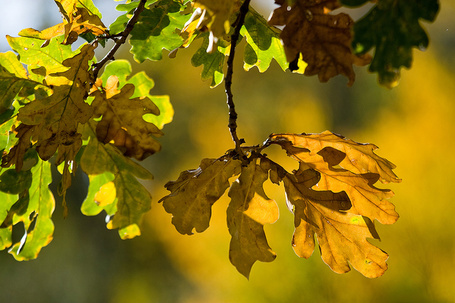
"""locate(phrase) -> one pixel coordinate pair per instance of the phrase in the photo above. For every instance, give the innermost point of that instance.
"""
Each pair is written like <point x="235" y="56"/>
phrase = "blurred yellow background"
<point x="413" y="125"/>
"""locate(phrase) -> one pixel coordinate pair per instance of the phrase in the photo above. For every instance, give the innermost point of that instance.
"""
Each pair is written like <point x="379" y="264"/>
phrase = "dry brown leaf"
<point x="122" y="123"/>
<point x="322" y="39"/>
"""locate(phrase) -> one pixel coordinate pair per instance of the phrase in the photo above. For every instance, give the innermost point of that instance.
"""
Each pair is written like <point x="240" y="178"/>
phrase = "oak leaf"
<point x="342" y="236"/>
<point x="212" y="16"/>
<point x="321" y="39"/>
<point x="114" y="187"/>
<point x="122" y="123"/>
<point x="195" y="191"/>
<point x="52" y="122"/>
<point x="79" y="17"/>
<point x="393" y="29"/>
<point x="358" y="158"/>
<point x="249" y="210"/>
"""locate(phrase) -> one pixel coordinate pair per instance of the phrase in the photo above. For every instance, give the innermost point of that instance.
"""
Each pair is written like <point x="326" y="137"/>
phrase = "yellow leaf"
<point x="358" y="158"/>
<point x="322" y="39"/>
<point x="342" y="236"/>
<point x="195" y="191"/>
<point x="249" y="210"/>
<point x="77" y="20"/>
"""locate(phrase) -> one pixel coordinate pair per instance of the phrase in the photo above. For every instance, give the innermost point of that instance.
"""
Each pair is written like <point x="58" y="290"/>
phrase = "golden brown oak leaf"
<point x="250" y="209"/>
<point x="77" y="20"/>
<point x="52" y="122"/>
<point x="122" y="122"/>
<point x="322" y="39"/>
<point x="195" y="191"/>
<point x="342" y="236"/>
<point x="358" y="158"/>
<point x="212" y="16"/>
<point x="345" y="165"/>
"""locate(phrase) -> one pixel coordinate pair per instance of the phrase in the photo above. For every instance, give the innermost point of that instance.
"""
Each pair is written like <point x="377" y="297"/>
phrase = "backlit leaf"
<point x="249" y="210"/>
<point x="342" y="236"/>
<point x="142" y="87"/>
<point x="156" y="30"/>
<point x="321" y="39"/>
<point x="122" y="123"/>
<point x="393" y="29"/>
<point x="263" y="43"/>
<point x="110" y="174"/>
<point x="79" y="17"/>
<point x="52" y="122"/>
<point x="358" y="158"/>
<point x="37" y="216"/>
<point x="195" y="191"/>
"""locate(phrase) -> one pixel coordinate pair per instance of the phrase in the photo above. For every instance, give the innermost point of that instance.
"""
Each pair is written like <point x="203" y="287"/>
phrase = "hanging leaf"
<point x="322" y="40"/>
<point x="37" y="208"/>
<point x="342" y="236"/>
<point x="249" y="210"/>
<point x="195" y="191"/>
<point x="393" y="29"/>
<point x="263" y="43"/>
<point x="114" y="188"/>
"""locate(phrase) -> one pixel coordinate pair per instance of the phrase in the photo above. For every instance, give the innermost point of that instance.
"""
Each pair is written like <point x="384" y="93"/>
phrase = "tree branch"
<point x="121" y="40"/>
<point x="228" y="80"/>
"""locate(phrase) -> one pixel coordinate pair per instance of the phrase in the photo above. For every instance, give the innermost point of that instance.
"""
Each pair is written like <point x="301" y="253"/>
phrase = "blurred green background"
<point x="413" y="125"/>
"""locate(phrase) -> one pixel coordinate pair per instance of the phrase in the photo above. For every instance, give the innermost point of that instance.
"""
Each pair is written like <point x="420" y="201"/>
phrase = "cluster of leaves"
<point x="331" y="194"/>
<point x="54" y="107"/>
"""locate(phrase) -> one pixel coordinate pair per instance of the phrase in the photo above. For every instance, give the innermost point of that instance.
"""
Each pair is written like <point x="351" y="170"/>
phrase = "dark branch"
<point x="121" y="39"/>
<point x="228" y="79"/>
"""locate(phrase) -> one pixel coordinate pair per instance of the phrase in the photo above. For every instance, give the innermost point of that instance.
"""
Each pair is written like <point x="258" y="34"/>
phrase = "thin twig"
<point x="228" y="79"/>
<point x="123" y="35"/>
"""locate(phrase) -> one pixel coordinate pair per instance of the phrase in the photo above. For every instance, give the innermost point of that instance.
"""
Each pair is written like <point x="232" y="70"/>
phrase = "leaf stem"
<point x="122" y="39"/>
<point x="228" y="80"/>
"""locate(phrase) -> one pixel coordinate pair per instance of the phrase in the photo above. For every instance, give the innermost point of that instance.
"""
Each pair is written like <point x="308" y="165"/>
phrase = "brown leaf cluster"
<point x="332" y="196"/>
<point x="323" y="40"/>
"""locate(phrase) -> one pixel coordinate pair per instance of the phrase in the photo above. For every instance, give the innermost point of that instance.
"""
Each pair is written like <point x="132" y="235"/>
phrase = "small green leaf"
<point x="213" y="62"/>
<point x="90" y="207"/>
<point x="264" y="43"/>
<point x="156" y="30"/>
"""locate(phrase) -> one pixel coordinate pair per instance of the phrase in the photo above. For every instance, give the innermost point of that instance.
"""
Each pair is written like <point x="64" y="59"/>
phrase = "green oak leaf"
<point x="41" y="61"/>
<point x="213" y="62"/>
<point x="37" y="215"/>
<point x="263" y="43"/>
<point x="156" y="30"/>
<point x="393" y="29"/>
<point x="113" y="179"/>
<point x="14" y="80"/>
<point x="143" y="84"/>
